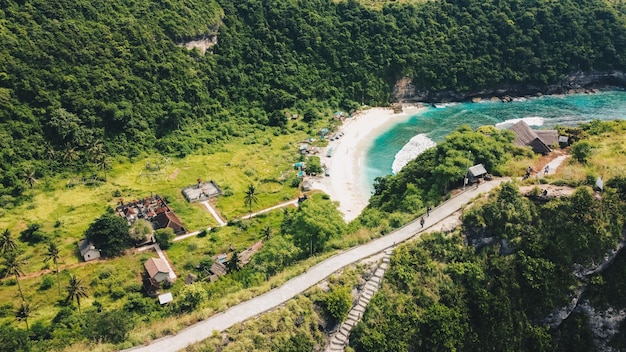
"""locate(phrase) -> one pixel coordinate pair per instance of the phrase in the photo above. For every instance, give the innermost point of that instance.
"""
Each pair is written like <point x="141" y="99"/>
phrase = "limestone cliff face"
<point x="405" y="89"/>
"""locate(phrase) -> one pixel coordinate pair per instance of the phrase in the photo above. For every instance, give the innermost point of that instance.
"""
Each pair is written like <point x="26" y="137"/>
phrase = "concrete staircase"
<point x="340" y="338"/>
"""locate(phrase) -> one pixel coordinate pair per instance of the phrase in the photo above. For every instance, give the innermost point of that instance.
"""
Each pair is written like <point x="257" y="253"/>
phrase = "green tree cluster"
<point x="443" y="294"/>
<point x="426" y="179"/>
<point x="110" y="234"/>
<point x="315" y="222"/>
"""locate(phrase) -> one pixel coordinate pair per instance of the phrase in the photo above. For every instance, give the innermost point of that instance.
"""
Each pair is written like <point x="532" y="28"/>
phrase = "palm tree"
<point x="104" y="163"/>
<point x="53" y="254"/>
<point x="14" y="266"/>
<point x="75" y="290"/>
<point x="49" y="150"/>
<point x="70" y="155"/>
<point x="23" y="312"/>
<point x="267" y="232"/>
<point x="250" y="198"/>
<point x="29" y="176"/>
<point x="7" y="243"/>
<point x="96" y="151"/>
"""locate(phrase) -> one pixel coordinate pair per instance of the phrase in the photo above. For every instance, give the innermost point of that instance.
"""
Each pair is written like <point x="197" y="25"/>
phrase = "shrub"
<point x="6" y="309"/>
<point x="190" y="297"/>
<point x="581" y="151"/>
<point x="110" y="326"/>
<point x="33" y="234"/>
<point x="117" y="292"/>
<point x="338" y="302"/>
<point x="164" y="237"/>
<point x="46" y="282"/>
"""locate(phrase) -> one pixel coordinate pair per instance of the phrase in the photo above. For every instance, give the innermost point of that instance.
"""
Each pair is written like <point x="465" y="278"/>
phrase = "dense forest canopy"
<point x="75" y="75"/>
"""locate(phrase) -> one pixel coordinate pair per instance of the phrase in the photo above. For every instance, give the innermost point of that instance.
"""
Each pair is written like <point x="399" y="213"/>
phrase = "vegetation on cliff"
<point x="82" y="80"/>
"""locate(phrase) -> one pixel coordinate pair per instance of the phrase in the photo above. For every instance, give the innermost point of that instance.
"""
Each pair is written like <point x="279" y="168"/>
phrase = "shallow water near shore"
<point x="437" y="122"/>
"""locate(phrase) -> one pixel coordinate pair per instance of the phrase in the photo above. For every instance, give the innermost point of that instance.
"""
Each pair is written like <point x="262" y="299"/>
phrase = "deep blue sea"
<point x="406" y="140"/>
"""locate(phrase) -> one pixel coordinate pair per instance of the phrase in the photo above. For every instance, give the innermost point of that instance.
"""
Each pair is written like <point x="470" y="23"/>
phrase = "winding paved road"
<point x="272" y="299"/>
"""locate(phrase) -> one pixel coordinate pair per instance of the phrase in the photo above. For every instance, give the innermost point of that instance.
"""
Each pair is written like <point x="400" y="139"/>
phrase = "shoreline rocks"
<point x="574" y="83"/>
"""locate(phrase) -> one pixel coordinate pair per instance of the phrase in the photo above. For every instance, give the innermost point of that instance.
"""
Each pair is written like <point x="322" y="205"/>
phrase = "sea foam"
<point x="531" y="121"/>
<point x="416" y="146"/>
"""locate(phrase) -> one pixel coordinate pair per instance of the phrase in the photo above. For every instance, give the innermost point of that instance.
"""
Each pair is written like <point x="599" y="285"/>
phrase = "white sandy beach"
<point x="347" y="183"/>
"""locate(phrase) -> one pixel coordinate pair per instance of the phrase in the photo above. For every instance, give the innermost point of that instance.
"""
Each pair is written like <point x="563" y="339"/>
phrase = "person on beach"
<point x="422" y="221"/>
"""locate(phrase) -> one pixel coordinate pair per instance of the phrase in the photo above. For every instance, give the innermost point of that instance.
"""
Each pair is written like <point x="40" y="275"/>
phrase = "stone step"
<point x="336" y="343"/>
<point x="362" y="305"/>
<point x="345" y="330"/>
<point x="370" y="290"/>
<point x="375" y="280"/>
<point x="355" y="315"/>
<point x="340" y="336"/>
<point x="384" y="266"/>
<point x="367" y="295"/>
<point x="379" y="273"/>
<point x="386" y="260"/>
<point x="359" y="309"/>
<point x="349" y="323"/>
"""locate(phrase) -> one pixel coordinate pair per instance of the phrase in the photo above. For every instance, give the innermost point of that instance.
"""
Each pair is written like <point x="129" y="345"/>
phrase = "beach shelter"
<point x="539" y="141"/>
<point x="475" y="172"/>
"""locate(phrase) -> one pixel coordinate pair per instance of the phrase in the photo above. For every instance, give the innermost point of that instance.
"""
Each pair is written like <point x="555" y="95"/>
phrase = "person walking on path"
<point x="422" y="221"/>
<point x="428" y="210"/>
<point x="546" y="170"/>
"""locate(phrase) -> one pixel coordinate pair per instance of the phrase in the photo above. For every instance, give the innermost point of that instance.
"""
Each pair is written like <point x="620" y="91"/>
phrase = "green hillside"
<point x="90" y="87"/>
<point x="76" y="74"/>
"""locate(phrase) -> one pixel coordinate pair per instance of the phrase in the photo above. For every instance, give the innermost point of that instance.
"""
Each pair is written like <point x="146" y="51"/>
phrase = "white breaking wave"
<point x="416" y="146"/>
<point x="531" y="121"/>
<point x="444" y="105"/>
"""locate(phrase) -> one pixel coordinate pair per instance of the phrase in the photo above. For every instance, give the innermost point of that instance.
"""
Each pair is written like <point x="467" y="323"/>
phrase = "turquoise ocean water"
<point x="434" y="123"/>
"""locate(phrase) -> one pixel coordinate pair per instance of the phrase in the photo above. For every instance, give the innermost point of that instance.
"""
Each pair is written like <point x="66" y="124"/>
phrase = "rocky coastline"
<point x="574" y="83"/>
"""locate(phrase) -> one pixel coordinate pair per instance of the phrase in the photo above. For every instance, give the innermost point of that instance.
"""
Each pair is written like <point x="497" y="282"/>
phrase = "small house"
<point x="87" y="250"/>
<point x="476" y="172"/>
<point x="157" y="269"/>
<point x="169" y="219"/>
<point x="539" y="141"/>
<point x="217" y="269"/>
<point x="165" y="298"/>
<point x="244" y="257"/>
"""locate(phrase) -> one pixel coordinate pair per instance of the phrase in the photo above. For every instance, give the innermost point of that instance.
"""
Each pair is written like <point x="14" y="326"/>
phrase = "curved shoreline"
<point x="347" y="183"/>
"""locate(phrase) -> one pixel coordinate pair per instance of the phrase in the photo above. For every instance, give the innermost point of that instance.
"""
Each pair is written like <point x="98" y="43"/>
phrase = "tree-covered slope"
<point x="441" y="294"/>
<point x="77" y="73"/>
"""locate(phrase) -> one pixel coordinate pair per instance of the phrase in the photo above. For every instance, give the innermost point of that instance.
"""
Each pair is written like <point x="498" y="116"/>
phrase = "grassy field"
<point x="66" y="212"/>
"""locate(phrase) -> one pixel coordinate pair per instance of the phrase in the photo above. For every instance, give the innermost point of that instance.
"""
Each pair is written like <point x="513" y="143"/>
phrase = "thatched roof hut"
<point x="527" y="137"/>
<point x="549" y="137"/>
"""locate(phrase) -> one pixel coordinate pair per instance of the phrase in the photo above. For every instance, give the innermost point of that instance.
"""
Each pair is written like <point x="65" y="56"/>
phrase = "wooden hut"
<point x="527" y="137"/>
<point x="476" y="172"/>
